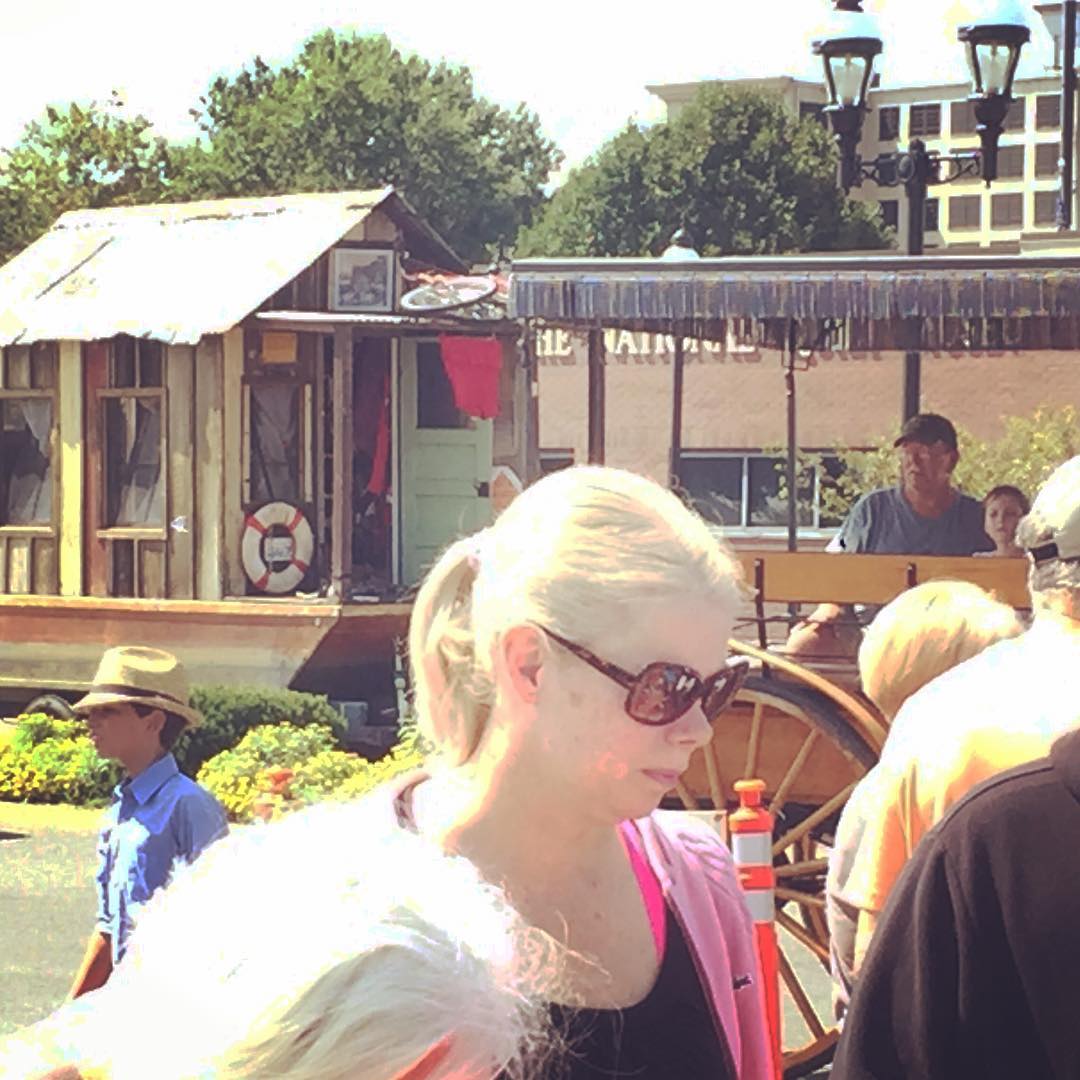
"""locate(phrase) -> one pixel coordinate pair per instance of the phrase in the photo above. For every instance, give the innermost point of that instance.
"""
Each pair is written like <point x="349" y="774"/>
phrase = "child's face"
<point x="1002" y="515"/>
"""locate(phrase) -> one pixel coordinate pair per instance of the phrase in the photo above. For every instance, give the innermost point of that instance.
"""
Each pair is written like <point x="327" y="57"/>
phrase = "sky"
<point x="581" y="65"/>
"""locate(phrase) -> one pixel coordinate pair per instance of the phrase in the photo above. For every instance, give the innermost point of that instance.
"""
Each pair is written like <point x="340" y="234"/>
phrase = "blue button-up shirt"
<point x="156" y="818"/>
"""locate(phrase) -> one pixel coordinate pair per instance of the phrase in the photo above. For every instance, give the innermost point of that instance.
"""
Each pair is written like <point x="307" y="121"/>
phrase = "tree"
<point x="734" y="167"/>
<point x="353" y="112"/>
<point x="78" y="157"/>
<point x="1029" y="449"/>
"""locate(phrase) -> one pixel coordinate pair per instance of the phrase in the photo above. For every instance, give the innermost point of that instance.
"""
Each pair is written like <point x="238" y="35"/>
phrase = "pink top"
<point x="648" y="883"/>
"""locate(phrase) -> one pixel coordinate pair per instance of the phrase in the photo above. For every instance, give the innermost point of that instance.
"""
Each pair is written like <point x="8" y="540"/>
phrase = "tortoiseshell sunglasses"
<point x="662" y="692"/>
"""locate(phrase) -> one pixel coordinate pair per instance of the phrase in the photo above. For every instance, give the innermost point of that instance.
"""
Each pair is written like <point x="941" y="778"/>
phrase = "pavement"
<point x="47" y="906"/>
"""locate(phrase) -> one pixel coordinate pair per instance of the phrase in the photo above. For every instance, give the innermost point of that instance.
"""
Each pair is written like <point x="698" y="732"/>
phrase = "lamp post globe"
<point x="848" y="44"/>
<point x="993" y="43"/>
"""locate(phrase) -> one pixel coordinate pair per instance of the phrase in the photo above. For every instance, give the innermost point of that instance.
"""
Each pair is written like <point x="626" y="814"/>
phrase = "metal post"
<point x="341" y="508"/>
<point x="792" y="443"/>
<point x="676" y="412"/>
<point x="916" y="187"/>
<point x="596" y="397"/>
<point x="1068" y="117"/>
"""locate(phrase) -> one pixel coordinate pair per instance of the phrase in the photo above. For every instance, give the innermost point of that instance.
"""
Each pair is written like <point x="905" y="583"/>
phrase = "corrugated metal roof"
<point x="176" y="272"/>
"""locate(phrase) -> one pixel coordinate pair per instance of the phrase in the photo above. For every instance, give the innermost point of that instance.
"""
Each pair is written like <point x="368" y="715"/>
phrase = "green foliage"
<point x="229" y="712"/>
<point x="279" y="768"/>
<point x="51" y="761"/>
<point x="354" y="112"/>
<point x="735" y="167"/>
<point x="1029" y="449"/>
<point x="78" y="157"/>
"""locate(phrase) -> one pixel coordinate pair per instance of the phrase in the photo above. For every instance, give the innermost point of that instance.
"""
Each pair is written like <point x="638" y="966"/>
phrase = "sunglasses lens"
<point x="724" y="687"/>
<point x="662" y="693"/>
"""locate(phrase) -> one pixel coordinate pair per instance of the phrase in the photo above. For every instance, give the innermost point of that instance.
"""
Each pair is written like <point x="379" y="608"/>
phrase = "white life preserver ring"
<point x="276" y="547"/>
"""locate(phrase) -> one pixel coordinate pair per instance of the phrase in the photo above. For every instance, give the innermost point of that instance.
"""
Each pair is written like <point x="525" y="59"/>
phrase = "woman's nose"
<point x="692" y="729"/>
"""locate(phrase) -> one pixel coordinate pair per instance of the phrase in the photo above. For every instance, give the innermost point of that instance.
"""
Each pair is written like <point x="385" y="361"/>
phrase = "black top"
<point x="670" y="1035"/>
<point x="974" y="970"/>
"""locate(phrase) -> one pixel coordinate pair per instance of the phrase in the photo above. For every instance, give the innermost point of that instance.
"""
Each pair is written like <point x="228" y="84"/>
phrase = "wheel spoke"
<point x="802" y="935"/>
<point x="798" y="869"/>
<point x="797" y="832"/>
<point x="802" y="1002"/>
<point x="809" y="899"/>
<point x="712" y="769"/>
<point x="754" y="745"/>
<point x="785" y="785"/>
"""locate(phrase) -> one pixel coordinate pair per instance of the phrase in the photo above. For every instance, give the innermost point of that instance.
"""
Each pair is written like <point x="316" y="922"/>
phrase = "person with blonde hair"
<point x="324" y="946"/>
<point x="920" y="635"/>
<point x="566" y="663"/>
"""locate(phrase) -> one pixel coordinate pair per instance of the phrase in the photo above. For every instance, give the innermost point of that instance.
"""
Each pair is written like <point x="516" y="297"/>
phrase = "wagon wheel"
<point x="810" y="744"/>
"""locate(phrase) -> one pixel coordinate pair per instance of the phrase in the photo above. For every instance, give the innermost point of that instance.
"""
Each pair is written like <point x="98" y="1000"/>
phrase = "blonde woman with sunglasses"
<point x="566" y="663"/>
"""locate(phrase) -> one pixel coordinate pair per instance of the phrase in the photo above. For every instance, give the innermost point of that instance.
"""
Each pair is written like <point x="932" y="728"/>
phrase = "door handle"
<point x="483" y="489"/>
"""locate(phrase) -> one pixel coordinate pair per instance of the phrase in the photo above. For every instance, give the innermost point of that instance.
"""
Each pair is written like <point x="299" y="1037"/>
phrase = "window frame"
<point x="112" y="392"/>
<point x="894" y="213"/>
<point x="1041" y="105"/>
<point x="50" y="530"/>
<point x="1040" y="151"/>
<point x="744" y="527"/>
<point x="1035" y="219"/>
<point x="955" y="201"/>
<point x="996" y="200"/>
<point x="891" y="111"/>
<point x="926" y="109"/>
<point x="1007" y="153"/>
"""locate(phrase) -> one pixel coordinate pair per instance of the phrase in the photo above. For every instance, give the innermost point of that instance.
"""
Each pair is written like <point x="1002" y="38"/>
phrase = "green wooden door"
<point x="445" y="461"/>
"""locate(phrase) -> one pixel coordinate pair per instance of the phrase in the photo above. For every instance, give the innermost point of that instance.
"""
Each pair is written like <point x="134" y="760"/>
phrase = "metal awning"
<point x="1035" y="299"/>
<point x="178" y="272"/>
<point x="388" y="323"/>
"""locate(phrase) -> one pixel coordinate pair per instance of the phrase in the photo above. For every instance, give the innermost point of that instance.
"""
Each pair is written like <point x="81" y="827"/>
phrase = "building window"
<point x="1011" y="163"/>
<point x="1006" y="211"/>
<point x="812" y="110"/>
<point x="931" y="216"/>
<point x="889" y="123"/>
<point x="275" y="431"/>
<point x="962" y="118"/>
<point x="132" y="409"/>
<point x="740" y="490"/>
<point x="1015" y="117"/>
<point x="890" y="213"/>
<point x="554" y="460"/>
<point x="1047" y="112"/>
<point x="965" y="211"/>
<point x="1046" y="160"/>
<point x="435" y="405"/>
<point x="925" y="120"/>
<point x="27" y="416"/>
<point x="1046" y="207"/>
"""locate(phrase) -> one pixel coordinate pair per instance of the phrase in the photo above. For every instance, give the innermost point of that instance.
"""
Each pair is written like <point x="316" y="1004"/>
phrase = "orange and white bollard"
<point x="751" y="829"/>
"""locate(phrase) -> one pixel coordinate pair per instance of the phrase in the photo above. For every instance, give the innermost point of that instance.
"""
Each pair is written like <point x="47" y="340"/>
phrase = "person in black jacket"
<point x="975" y="967"/>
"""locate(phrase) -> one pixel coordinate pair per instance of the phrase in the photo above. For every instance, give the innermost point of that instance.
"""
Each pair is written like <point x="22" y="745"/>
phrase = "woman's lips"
<point x="668" y="777"/>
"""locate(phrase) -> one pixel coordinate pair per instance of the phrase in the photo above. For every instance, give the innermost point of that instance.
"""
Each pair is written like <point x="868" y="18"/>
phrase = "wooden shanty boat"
<point x="223" y="435"/>
<point x="802" y="726"/>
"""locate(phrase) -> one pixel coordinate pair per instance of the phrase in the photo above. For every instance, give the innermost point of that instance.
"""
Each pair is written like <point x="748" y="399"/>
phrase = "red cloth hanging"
<point x="473" y="366"/>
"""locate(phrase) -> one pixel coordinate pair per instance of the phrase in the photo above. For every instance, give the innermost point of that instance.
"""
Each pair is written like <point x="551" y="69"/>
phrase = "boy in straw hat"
<point x="135" y="711"/>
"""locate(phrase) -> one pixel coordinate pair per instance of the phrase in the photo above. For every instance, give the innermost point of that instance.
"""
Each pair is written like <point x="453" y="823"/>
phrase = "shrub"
<point x="52" y="761"/>
<point x="229" y="712"/>
<point x="277" y="768"/>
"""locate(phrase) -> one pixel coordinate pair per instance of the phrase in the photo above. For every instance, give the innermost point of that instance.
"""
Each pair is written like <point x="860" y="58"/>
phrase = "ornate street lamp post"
<point x="849" y="46"/>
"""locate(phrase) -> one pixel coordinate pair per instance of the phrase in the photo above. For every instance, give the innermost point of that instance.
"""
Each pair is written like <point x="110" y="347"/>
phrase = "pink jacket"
<point x="697" y="876"/>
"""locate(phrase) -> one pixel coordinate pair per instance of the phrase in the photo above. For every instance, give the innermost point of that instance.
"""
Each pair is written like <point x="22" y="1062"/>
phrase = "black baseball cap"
<point x="927" y="428"/>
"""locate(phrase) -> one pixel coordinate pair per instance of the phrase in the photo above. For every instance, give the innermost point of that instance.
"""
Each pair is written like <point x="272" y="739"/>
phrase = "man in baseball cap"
<point x="135" y="709"/>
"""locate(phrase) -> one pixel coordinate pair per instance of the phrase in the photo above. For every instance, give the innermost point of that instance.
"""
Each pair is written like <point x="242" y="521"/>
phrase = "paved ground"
<point x="46" y="909"/>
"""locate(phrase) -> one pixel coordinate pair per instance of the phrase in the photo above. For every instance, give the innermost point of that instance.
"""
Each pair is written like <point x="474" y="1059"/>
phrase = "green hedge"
<point x="283" y="767"/>
<point x="53" y="761"/>
<point x="229" y="712"/>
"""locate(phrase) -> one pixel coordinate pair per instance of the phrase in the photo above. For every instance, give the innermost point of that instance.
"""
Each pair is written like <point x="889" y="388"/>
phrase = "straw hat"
<point x="136" y="675"/>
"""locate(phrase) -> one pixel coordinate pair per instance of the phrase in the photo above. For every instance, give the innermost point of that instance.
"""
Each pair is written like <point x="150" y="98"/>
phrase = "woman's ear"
<point x="523" y="654"/>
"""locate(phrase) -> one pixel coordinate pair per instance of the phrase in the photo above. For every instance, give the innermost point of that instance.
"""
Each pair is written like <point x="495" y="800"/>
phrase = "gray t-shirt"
<point x="883" y="523"/>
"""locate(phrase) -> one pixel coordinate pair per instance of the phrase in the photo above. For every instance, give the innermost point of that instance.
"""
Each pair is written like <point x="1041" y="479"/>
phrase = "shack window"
<point x="134" y="480"/>
<point x="275" y="442"/>
<point x="768" y="502"/>
<point x="26" y="461"/>
<point x="27" y="412"/>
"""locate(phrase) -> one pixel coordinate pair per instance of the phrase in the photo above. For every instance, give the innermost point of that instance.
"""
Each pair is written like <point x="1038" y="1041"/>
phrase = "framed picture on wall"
<point x="362" y="279"/>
